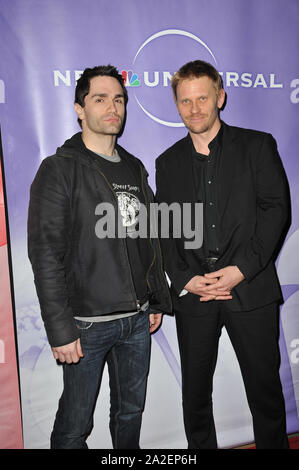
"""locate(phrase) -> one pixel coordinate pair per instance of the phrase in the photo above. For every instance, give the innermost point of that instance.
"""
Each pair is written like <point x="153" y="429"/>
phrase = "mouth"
<point x="197" y="118"/>
<point x="112" y="119"/>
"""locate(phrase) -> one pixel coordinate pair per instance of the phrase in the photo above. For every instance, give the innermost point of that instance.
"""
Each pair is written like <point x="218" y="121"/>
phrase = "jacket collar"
<point x="75" y="148"/>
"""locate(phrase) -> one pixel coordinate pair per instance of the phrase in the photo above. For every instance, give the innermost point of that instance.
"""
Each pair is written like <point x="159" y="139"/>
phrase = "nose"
<point x="195" y="108"/>
<point x="112" y="106"/>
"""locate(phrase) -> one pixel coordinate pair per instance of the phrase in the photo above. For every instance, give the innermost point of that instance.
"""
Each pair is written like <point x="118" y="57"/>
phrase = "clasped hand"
<point x="216" y="285"/>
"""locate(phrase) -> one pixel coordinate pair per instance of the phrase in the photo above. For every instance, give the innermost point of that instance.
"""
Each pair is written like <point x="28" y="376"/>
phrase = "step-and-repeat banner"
<point x="45" y="45"/>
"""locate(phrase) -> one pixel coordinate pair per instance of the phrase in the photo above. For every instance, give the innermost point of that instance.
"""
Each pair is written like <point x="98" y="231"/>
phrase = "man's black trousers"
<point x="254" y="335"/>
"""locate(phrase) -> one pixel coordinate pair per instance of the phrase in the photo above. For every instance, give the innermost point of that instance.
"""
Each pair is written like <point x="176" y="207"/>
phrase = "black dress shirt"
<point x="205" y="170"/>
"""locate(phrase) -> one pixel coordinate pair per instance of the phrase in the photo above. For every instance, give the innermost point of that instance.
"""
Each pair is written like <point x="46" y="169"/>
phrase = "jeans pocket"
<point x="83" y="325"/>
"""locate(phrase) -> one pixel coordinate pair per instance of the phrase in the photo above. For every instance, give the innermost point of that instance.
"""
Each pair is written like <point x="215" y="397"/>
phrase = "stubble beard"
<point x="106" y="128"/>
<point x="197" y="129"/>
<point x="202" y="128"/>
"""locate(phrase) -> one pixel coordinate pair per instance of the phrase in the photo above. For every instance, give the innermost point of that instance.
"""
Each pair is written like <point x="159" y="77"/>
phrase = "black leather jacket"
<point x="75" y="272"/>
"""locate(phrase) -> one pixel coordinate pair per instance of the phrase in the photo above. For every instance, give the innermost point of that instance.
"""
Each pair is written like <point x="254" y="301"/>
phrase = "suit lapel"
<point x="184" y="171"/>
<point x="226" y="168"/>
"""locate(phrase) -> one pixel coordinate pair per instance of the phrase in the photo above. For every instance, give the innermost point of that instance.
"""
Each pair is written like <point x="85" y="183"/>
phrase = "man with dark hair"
<point x="83" y="84"/>
<point x="100" y="296"/>
<point x="230" y="280"/>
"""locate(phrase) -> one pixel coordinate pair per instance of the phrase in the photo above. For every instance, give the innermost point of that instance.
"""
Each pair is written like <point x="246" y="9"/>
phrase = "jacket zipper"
<point x="160" y="252"/>
<point x="150" y="240"/>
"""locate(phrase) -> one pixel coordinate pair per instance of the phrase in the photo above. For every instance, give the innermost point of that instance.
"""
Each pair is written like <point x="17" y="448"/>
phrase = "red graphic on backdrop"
<point x="10" y="410"/>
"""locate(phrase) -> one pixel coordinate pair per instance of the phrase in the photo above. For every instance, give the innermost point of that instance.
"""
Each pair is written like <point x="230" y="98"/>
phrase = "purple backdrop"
<point x="44" y="46"/>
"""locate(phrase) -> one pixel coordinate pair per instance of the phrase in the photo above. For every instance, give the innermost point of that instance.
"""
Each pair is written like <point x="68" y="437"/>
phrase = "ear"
<point x="221" y="98"/>
<point x="79" y="110"/>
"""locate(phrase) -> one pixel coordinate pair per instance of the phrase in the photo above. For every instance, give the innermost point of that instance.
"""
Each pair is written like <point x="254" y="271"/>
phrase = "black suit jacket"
<point x="254" y="212"/>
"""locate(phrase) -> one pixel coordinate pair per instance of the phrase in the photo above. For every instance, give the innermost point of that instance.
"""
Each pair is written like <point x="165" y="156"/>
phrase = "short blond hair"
<point x="196" y="69"/>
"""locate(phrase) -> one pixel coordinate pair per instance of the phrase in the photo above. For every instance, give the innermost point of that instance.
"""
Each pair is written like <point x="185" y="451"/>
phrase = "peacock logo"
<point x="130" y="78"/>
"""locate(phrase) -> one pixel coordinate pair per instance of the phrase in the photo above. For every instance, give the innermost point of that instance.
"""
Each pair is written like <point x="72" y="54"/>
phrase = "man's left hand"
<point x="228" y="278"/>
<point x="155" y="321"/>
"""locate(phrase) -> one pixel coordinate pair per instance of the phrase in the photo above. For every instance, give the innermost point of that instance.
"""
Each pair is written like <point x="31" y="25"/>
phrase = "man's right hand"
<point x="200" y="285"/>
<point x="69" y="353"/>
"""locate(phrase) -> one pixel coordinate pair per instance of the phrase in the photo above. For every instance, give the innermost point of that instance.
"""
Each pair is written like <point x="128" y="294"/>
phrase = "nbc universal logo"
<point x="138" y="80"/>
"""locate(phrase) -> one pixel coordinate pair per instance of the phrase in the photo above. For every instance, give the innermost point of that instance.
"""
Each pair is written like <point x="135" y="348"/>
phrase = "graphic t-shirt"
<point x="127" y="188"/>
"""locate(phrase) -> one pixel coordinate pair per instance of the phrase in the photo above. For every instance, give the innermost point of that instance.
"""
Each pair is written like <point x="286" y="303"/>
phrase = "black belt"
<point x="209" y="264"/>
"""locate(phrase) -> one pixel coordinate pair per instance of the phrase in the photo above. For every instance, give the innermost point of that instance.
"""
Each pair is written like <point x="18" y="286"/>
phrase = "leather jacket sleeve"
<point x="48" y="234"/>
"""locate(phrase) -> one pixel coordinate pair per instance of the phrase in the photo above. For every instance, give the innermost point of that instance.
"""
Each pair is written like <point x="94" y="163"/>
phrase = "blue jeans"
<point x="125" y="345"/>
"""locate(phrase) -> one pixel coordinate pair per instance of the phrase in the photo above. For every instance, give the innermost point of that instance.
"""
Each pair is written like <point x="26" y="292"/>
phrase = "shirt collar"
<point x="217" y="139"/>
<point x="216" y="142"/>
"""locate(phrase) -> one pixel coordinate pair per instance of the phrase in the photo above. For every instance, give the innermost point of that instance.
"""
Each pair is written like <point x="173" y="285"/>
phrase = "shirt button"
<point x="211" y="204"/>
<point x="213" y="226"/>
<point x="209" y="182"/>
